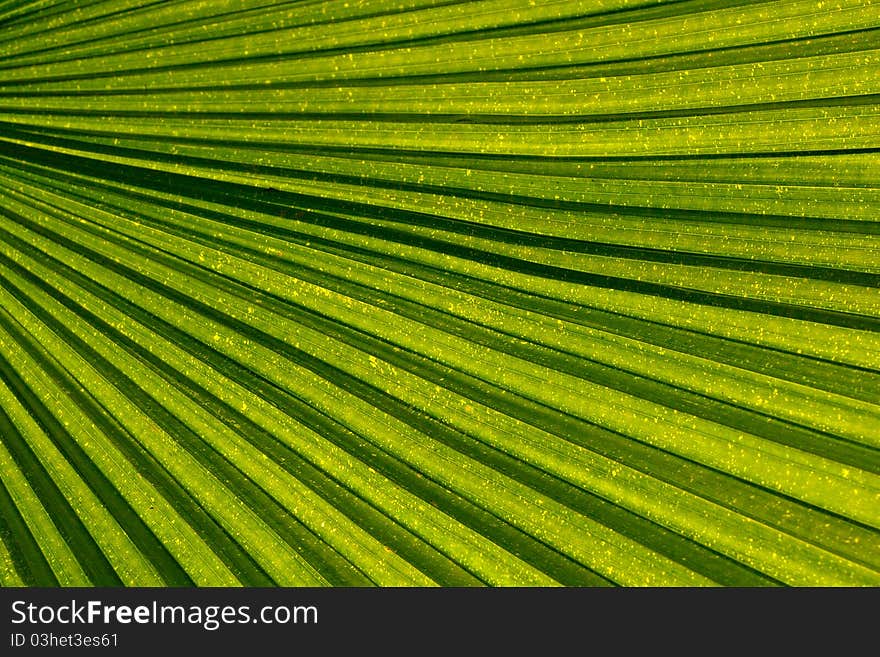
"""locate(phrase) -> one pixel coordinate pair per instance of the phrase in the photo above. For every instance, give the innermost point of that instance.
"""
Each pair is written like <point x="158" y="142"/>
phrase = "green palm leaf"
<point x="431" y="292"/>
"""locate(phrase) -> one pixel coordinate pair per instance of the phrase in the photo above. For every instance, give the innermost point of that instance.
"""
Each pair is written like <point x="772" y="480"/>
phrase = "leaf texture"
<point x="430" y="292"/>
